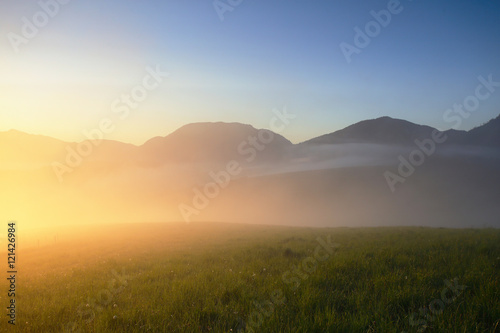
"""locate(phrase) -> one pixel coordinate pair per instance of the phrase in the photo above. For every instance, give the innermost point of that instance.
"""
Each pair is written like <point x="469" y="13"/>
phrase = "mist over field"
<point x="236" y="173"/>
<point x="237" y="166"/>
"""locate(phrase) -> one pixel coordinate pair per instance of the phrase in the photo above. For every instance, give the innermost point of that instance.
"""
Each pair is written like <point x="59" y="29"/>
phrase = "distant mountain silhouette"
<point x="334" y="180"/>
<point x="380" y="130"/>
<point x="221" y="142"/>
<point x="23" y="150"/>
<point x="28" y="151"/>
<point x="386" y="130"/>
<point x="213" y="142"/>
<point x="486" y="135"/>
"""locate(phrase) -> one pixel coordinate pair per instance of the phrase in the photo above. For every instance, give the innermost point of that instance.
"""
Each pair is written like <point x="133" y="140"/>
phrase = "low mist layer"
<point x="256" y="177"/>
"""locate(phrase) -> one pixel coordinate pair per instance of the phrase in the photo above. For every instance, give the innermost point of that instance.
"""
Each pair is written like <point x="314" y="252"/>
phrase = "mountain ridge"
<point x="389" y="130"/>
<point x="343" y="135"/>
<point x="202" y="165"/>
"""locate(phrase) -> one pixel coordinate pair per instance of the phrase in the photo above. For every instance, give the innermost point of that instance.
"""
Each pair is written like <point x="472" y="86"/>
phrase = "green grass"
<point x="212" y="278"/>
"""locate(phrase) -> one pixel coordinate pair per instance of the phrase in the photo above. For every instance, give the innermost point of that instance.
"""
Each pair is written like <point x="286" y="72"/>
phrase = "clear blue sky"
<point x="265" y="54"/>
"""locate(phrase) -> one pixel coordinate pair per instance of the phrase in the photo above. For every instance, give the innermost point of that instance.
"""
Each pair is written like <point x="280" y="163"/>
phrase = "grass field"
<point x="242" y="278"/>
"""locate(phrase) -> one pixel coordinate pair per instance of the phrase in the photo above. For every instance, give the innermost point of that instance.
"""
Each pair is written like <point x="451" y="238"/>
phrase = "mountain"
<point x="193" y="143"/>
<point x="222" y="142"/>
<point x="20" y="150"/>
<point x="214" y="142"/>
<point x="381" y="130"/>
<point x="279" y="183"/>
<point x="485" y="135"/>
<point x="386" y="130"/>
<point x="27" y="151"/>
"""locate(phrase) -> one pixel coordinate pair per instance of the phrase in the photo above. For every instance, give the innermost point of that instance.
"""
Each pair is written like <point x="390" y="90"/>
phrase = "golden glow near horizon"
<point x="45" y="95"/>
<point x="62" y="98"/>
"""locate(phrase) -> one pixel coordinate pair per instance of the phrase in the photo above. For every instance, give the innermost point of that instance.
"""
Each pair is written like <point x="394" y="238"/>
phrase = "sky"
<point x="237" y="61"/>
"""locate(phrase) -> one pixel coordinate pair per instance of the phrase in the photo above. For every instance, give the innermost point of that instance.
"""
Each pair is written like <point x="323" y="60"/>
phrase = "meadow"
<point x="215" y="277"/>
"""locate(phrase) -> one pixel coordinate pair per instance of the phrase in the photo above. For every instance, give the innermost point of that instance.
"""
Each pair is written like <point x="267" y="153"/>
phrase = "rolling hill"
<point x="214" y="142"/>
<point x="386" y="130"/>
